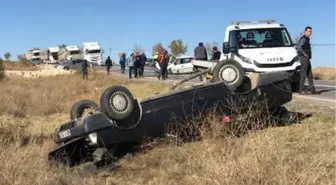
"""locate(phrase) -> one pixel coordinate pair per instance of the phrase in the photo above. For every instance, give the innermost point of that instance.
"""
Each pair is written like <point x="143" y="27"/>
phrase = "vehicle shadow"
<point x="325" y="90"/>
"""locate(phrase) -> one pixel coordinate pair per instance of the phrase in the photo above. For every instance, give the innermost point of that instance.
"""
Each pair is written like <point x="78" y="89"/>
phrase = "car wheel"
<point x="117" y="102"/>
<point x="229" y="71"/>
<point x="78" y="109"/>
<point x="170" y="71"/>
<point x="66" y="68"/>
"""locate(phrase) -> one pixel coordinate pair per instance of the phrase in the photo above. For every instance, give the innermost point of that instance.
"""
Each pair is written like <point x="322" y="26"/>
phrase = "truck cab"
<point x="53" y="54"/>
<point x="73" y="52"/>
<point x="93" y="53"/>
<point x="36" y="56"/>
<point x="254" y="47"/>
<point x="261" y="46"/>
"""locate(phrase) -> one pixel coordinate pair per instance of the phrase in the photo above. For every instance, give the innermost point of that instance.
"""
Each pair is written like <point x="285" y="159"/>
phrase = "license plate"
<point x="65" y="133"/>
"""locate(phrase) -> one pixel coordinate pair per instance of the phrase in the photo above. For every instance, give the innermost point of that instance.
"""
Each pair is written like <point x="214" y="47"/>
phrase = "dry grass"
<point x="301" y="154"/>
<point x="51" y="95"/>
<point x="324" y="73"/>
<point x="19" y="65"/>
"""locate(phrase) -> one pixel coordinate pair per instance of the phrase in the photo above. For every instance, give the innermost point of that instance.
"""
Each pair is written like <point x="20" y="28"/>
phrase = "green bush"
<point x="2" y="69"/>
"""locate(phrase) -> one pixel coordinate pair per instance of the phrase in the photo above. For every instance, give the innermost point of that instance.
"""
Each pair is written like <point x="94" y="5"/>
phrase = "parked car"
<point x="74" y="64"/>
<point x="179" y="65"/>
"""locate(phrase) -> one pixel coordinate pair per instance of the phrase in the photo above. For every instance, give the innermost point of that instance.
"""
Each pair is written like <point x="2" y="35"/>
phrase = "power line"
<point x="323" y="44"/>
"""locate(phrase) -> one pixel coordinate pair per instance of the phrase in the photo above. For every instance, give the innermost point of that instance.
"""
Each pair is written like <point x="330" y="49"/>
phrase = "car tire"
<point x="229" y="66"/>
<point x="117" y="102"/>
<point x="66" y="68"/>
<point x="77" y="110"/>
<point x="295" y="81"/>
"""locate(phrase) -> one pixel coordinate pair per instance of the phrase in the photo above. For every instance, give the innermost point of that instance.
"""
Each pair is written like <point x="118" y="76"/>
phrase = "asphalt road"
<point x="325" y="87"/>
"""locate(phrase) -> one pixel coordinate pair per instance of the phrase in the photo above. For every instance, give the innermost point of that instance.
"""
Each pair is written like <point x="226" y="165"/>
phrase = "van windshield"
<point x="74" y="52"/>
<point x="264" y="38"/>
<point x="93" y="51"/>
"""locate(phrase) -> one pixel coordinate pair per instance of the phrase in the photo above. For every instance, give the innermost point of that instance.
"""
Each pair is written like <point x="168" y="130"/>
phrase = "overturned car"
<point x="121" y="118"/>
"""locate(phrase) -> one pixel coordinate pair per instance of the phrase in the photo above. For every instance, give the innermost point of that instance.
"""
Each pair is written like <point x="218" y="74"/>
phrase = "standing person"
<point x="163" y="61"/>
<point x="143" y="60"/>
<point x="166" y="64"/>
<point x="130" y="63"/>
<point x="200" y="52"/>
<point x="137" y="64"/>
<point x="85" y="66"/>
<point x="215" y="53"/>
<point x="122" y="62"/>
<point x="305" y="54"/>
<point x="108" y="64"/>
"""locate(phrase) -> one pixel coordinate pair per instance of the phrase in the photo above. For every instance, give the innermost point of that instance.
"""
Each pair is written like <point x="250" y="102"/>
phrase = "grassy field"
<point x="324" y="73"/>
<point x="301" y="154"/>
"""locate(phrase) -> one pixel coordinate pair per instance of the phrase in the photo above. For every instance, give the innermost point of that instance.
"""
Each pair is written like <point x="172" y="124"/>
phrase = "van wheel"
<point x="117" y="102"/>
<point x="229" y="71"/>
<point x="78" y="109"/>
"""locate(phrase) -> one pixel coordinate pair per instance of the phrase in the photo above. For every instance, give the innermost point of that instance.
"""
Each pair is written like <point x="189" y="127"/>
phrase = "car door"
<point x="187" y="66"/>
<point x="77" y="64"/>
<point x="177" y="66"/>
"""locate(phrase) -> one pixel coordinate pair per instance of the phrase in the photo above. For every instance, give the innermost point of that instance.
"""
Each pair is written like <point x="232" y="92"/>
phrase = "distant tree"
<point x="156" y="47"/>
<point x="208" y="46"/>
<point x="2" y="69"/>
<point x="137" y="48"/>
<point x="21" y="57"/>
<point x="177" y="47"/>
<point x="7" y="55"/>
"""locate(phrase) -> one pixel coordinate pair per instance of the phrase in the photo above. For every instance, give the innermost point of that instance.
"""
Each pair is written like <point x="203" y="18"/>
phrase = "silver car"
<point x="73" y="64"/>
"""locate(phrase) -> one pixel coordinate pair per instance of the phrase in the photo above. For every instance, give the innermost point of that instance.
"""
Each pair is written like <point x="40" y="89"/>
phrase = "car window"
<point x="178" y="62"/>
<point x="187" y="60"/>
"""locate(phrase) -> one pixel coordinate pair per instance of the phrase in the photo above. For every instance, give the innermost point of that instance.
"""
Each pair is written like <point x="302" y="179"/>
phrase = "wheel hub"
<point x="119" y="102"/>
<point x="229" y="74"/>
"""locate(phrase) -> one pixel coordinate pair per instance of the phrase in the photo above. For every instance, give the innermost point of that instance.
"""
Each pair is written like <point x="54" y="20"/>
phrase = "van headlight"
<point x="93" y="138"/>
<point x="247" y="60"/>
<point x="296" y="59"/>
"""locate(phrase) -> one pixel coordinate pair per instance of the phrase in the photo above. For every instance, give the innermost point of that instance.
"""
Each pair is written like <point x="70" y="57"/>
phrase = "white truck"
<point x="73" y="52"/>
<point x="254" y="47"/>
<point x="53" y="54"/>
<point x="93" y="53"/>
<point x="36" y="56"/>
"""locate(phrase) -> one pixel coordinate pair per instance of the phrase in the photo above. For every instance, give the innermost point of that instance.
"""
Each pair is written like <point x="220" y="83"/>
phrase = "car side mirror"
<point x="226" y="48"/>
<point x="233" y="42"/>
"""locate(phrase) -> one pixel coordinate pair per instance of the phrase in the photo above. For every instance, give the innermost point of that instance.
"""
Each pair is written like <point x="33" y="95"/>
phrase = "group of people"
<point x="201" y="53"/>
<point x="136" y="63"/>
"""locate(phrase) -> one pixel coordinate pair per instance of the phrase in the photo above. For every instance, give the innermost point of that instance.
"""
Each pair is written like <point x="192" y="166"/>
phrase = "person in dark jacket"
<point x="143" y="60"/>
<point x="108" y="64"/>
<point x="166" y="63"/>
<point x="305" y="54"/>
<point x="85" y="66"/>
<point x="215" y="53"/>
<point x="122" y="62"/>
<point x="137" y="64"/>
<point x="200" y="52"/>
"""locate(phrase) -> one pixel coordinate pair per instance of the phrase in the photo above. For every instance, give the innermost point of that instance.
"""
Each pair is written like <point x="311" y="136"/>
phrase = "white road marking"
<point x="318" y="85"/>
<point x="314" y="98"/>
